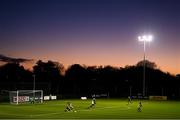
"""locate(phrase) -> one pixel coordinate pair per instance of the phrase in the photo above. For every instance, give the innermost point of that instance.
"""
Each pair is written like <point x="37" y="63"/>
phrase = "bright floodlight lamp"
<point x="144" y="39"/>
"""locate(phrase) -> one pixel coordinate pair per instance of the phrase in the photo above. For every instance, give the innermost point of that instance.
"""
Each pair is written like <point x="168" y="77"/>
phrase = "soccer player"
<point x="32" y="100"/>
<point x="129" y="100"/>
<point x="93" y="103"/>
<point x="69" y="107"/>
<point x="139" y="108"/>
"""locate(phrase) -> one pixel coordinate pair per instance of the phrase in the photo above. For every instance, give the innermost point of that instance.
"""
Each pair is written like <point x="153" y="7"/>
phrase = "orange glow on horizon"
<point x="171" y="69"/>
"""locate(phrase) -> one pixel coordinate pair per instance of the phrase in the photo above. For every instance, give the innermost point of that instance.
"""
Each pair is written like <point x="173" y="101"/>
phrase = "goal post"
<point x="26" y="96"/>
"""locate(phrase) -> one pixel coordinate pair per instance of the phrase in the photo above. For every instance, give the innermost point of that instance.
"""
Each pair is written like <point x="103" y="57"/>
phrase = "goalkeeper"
<point x="32" y="100"/>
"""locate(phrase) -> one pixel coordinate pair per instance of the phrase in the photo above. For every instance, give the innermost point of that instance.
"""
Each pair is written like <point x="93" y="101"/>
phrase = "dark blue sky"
<point x="92" y="32"/>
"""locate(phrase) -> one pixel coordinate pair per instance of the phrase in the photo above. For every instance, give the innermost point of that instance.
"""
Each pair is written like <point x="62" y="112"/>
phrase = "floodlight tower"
<point x="34" y="85"/>
<point x="144" y="39"/>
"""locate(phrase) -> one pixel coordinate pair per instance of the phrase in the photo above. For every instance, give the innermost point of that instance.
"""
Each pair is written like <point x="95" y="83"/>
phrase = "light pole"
<point x="144" y="39"/>
<point x="34" y="80"/>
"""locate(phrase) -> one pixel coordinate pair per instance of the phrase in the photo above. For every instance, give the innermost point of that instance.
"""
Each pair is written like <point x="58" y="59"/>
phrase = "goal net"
<point x="26" y="96"/>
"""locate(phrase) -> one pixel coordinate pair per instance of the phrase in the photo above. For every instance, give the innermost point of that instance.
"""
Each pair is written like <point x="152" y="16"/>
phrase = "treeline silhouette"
<point x="80" y="80"/>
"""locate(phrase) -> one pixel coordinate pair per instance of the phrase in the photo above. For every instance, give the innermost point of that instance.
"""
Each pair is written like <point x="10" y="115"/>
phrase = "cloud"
<point x="4" y="58"/>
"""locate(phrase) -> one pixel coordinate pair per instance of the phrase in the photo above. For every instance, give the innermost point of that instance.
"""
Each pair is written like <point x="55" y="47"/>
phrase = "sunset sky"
<point x="92" y="32"/>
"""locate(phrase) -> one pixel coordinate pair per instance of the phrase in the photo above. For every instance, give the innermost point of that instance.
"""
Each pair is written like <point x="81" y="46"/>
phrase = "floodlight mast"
<point x="34" y="85"/>
<point x="144" y="39"/>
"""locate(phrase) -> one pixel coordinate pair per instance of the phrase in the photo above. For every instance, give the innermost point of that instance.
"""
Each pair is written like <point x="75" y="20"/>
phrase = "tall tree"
<point x="148" y="64"/>
<point x="76" y="76"/>
<point x="49" y="73"/>
<point x="15" y="75"/>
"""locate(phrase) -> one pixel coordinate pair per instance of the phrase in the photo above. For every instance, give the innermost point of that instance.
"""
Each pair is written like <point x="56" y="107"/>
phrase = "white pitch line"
<point x="15" y="114"/>
<point x="76" y="110"/>
<point x="46" y="114"/>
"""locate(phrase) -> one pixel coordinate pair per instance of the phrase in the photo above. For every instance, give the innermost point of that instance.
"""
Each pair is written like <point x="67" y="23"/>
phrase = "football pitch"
<point x="105" y="109"/>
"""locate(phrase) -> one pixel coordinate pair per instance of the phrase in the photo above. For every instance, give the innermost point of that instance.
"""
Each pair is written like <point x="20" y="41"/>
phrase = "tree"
<point x="49" y="73"/>
<point x="148" y="64"/>
<point x="76" y="79"/>
<point x="15" y="75"/>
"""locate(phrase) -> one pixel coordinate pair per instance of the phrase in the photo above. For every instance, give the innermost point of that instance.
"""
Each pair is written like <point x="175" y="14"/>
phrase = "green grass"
<point x="105" y="109"/>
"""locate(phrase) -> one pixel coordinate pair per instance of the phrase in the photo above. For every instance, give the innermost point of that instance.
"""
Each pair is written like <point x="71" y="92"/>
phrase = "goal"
<point x="26" y="96"/>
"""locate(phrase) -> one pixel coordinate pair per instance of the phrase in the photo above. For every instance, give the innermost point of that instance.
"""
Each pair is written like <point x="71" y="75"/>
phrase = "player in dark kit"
<point x="139" y="108"/>
<point x="93" y="103"/>
<point x="129" y="100"/>
<point x="69" y="107"/>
